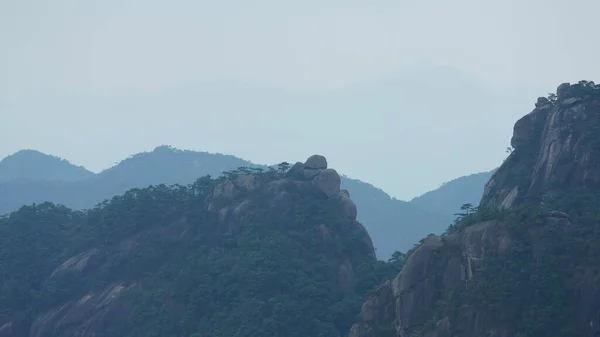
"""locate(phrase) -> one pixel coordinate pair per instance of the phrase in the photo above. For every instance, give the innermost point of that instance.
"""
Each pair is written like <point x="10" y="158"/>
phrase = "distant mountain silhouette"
<point x="31" y="165"/>
<point x="164" y="165"/>
<point x="419" y="102"/>
<point x="168" y="165"/>
<point x="393" y="224"/>
<point x="448" y="198"/>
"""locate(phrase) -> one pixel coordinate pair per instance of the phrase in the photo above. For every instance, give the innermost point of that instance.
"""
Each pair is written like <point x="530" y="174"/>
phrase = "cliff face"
<point x="526" y="264"/>
<point x="556" y="148"/>
<point x="409" y="304"/>
<point x="239" y="256"/>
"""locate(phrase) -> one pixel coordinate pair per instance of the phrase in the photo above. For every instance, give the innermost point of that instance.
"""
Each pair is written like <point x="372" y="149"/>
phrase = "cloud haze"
<point x="96" y="81"/>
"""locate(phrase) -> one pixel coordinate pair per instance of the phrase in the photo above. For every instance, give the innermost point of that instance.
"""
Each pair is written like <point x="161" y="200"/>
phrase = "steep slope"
<point x="31" y="165"/>
<point x="559" y="146"/>
<point x="269" y="253"/>
<point x="447" y="199"/>
<point x="525" y="264"/>
<point x="393" y="224"/>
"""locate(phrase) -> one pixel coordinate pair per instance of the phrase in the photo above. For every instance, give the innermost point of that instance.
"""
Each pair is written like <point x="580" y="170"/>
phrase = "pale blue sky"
<point x="358" y="81"/>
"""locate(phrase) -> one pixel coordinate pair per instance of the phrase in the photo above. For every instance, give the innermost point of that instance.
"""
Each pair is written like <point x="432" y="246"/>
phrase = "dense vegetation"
<point x="189" y="276"/>
<point x="533" y="289"/>
<point x="277" y="274"/>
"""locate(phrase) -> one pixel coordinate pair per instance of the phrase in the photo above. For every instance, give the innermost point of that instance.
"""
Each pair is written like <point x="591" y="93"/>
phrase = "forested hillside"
<point x="254" y="253"/>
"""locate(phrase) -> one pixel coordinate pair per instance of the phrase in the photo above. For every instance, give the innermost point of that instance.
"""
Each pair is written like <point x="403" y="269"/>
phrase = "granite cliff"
<point x="254" y="253"/>
<point x="555" y="149"/>
<point x="526" y="263"/>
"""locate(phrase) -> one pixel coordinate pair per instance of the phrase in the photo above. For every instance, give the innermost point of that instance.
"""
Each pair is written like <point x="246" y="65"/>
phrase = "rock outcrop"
<point x="555" y="148"/>
<point x="233" y="199"/>
<point x="78" y="262"/>
<point x="438" y="265"/>
<point x="92" y="313"/>
<point x="450" y="284"/>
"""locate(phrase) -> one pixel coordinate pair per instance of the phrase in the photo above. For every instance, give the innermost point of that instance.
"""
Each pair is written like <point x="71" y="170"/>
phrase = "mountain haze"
<point x="393" y="224"/>
<point x="31" y="165"/>
<point x="448" y="198"/>
<point x="168" y="165"/>
<point x="376" y="115"/>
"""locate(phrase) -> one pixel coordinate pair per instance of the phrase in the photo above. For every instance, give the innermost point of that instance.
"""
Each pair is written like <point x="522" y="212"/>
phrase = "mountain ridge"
<point x="55" y="168"/>
<point x="450" y="196"/>
<point x="393" y="224"/>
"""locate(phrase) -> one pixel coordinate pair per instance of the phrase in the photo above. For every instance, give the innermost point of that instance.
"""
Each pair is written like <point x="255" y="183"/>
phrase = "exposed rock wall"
<point x="555" y="151"/>
<point x="438" y="265"/>
<point x="555" y="148"/>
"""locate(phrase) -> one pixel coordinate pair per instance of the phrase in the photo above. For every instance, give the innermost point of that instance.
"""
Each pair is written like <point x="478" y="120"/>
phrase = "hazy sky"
<point x="95" y="81"/>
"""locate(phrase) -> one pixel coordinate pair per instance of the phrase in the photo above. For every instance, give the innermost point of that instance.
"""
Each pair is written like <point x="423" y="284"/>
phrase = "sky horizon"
<point x="404" y="95"/>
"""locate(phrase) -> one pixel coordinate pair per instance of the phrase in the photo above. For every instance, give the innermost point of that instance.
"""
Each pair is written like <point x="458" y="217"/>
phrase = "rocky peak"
<point x="315" y="162"/>
<point x="463" y="283"/>
<point x="315" y="169"/>
<point x="234" y="198"/>
<point x="313" y="172"/>
<point x="555" y="148"/>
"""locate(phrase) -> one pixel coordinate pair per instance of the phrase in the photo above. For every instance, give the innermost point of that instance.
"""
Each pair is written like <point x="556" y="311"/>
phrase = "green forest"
<point x="185" y="274"/>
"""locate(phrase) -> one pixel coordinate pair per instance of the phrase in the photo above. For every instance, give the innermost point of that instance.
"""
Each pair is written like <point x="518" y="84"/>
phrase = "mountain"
<point x="279" y="252"/>
<point x="31" y="165"/>
<point x="525" y="263"/>
<point x="168" y="165"/>
<point x="163" y="165"/>
<point x="392" y="224"/>
<point x="448" y="198"/>
<point x="253" y="253"/>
